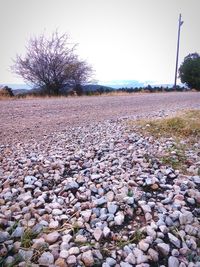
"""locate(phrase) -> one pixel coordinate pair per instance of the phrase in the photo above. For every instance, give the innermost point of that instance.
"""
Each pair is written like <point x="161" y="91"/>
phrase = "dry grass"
<point x="185" y="125"/>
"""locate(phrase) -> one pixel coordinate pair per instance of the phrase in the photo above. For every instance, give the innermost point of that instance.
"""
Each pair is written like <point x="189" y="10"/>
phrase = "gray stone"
<point x="8" y="196"/>
<point x="196" y="179"/>
<point x="110" y="261"/>
<point x="164" y="248"/>
<point x="26" y="255"/>
<point x="112" y="208"/>
<point x="173" y="262"/>
<point x="46" y="259"/>
<point x="100" y="201"/>
<point x="57" y="212"/>
<point x="30" y="180"/>
<point x="146" y="208"/>
<point x="164" y="229"/>
<point x="18" y="232"/>
<point x="125" y="264"/>
<point x="9" y="261"/>
<point x="4" y="236"/>
<point x="153" y="254"/>
<point x="71" y="260"/>
<point x="186" y="217"/>
<point x="64" y="254"/>
<point x="174" y="240"/>
<point x="130" y="258"/>
<point x="95" y="177"/>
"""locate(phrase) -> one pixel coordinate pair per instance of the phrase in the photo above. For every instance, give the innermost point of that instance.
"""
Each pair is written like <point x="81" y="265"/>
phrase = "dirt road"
<point x="34" y="118"/>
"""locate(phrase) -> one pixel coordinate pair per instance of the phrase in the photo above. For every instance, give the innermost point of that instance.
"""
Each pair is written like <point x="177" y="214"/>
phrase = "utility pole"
<point x="180" y="23"/>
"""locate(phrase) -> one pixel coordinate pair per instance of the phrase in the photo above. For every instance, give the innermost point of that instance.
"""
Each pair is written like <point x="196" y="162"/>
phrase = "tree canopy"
<point x="51" y="63"/>
<point x="189" y="71"/>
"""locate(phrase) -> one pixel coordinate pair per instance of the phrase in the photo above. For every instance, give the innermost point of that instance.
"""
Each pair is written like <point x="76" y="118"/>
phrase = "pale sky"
<point x="121" y="39"/>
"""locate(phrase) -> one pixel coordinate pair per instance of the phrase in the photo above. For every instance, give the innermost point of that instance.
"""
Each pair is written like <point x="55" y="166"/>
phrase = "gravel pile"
<point x="98" y="195"/>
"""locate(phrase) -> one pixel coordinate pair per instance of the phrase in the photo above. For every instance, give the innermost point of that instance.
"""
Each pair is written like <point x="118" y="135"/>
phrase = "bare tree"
<point x="51" y="63"/>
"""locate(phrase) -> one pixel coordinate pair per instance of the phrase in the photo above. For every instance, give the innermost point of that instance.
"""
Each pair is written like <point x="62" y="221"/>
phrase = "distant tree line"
<point x="53" y="68"/>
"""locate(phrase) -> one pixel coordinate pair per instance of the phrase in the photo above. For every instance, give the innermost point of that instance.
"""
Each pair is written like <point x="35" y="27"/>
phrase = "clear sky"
<point x="121" y="39"/>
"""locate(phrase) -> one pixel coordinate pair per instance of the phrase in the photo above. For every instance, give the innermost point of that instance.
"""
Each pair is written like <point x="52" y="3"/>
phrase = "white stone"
<point x="98" y="234"/>
<point x="119" y="218"/>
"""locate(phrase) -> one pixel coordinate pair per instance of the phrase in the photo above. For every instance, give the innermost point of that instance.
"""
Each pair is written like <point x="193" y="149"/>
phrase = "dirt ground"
<point x="23" y="119"/>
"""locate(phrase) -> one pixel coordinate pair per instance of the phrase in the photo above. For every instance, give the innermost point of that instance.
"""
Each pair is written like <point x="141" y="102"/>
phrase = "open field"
<point x="83" y="184"/>
<point x="21" y="119"/>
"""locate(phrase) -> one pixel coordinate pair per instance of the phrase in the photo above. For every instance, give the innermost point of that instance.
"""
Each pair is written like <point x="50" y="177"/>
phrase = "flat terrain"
<point x="37" y="117"/>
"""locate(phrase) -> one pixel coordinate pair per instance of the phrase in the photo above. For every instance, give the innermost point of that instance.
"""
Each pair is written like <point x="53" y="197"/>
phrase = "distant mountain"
<point x="96" y="87"/>
<point x="16" y="86"/>
<point x="20" y="91"/>
<point x="125" y="83"/>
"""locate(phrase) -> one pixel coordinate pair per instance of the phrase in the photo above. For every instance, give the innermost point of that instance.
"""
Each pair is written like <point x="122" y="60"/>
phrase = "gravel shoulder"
<point x="80" y="186"/>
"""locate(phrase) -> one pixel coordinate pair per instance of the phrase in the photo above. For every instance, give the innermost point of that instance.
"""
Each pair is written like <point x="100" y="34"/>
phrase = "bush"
<point x="6" y="92"/>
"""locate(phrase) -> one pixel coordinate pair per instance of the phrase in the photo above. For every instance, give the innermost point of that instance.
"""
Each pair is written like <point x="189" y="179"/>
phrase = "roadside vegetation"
<point x="182" y="130"/>
<point x="186" y="125"/>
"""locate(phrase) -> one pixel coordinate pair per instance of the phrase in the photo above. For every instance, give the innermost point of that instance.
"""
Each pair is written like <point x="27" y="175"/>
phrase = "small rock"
<point x="71" y="260"/>
<point x="80" y="239"/>
<point x="112" y="208"/>
<point x="125" y="264"/>
<point x="164" y="248"/>
<point x="4" y="236"/>
<point x="196" y="179"/>
<point x="64" y="254"/>
<point x="46" y="259"/>
<point x="174" y="240"/>
<point x="18" y="232"/>
<point x="26" y="255"/>
<point x="130" y="258"/>
<point x="74" y="251"/>
<point x="52" y="237"/>
<point x="186" y="217"/>
<point x="87" y="258"/>
<point x="110" y="261"/>
<point x="98" y="234"/>
<point x="60" y="263"/>
<point x="106" y="231"/>
<point x="143" y="245"/>
<point x="86" y="215"/>
<point x="30" y="180"/>
<point x="146" y="208"/>
<point x="173" y="262"/>
<point x="153" y="254"/>
<point x="57" y="212"/>
<point x="110" y="196"/>
<point x="119" y="219"/>
<point x="100" y="201"/>
<point x="53" y="224"/>
<point x="9" y="261"/>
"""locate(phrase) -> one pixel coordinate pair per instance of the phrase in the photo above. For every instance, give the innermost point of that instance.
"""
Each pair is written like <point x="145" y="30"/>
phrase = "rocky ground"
<point x="99" y="194"/>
